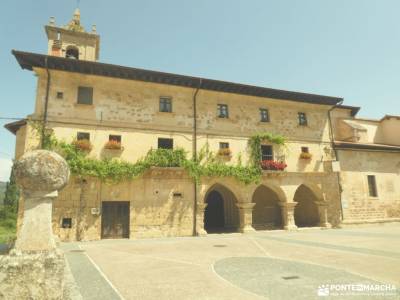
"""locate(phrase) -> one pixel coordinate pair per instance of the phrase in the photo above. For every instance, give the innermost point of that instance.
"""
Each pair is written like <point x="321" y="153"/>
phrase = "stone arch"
<point x="221" y="213"/>
<point x="267" y="212"/>
<point x="306" y="212"/>
<point x="72" y="52"/>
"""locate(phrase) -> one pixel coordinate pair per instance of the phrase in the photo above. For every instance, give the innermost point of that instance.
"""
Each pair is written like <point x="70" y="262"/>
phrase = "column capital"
<point x="245" y="205"/>
<point x="288" y="205"/>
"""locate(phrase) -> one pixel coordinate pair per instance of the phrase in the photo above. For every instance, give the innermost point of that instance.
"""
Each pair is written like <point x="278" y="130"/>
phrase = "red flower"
<point x="273" y="165"/>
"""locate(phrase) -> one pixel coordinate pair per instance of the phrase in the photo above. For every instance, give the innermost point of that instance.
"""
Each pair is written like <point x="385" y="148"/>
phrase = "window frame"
<point x="305" y="150"/>
<point x="161" y="140"/>
<point x="222" y="111"/>
<point x="302" y="119"/>
<point x="80" y="134"/>
<point x="372" y="186"/>
<point x="223" y="145"/>
<point x="267" y="156"/>
<point x="81" y="95"/>
<point x="115" y="137"/>
<point x="264" y="118"/>
<point x="165" y="104"/>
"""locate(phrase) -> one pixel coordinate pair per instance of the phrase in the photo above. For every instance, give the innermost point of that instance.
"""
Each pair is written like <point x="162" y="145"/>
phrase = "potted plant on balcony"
<point x="225" y="153"/>
<point x="305" y="155"/>
<point x="113" y="145"/>
<point x="83" y="145"/>
<point x="273" y="165"/>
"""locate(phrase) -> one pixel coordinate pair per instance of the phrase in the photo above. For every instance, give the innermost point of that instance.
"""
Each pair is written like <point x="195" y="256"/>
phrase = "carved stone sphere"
<point x="41" y="170"/>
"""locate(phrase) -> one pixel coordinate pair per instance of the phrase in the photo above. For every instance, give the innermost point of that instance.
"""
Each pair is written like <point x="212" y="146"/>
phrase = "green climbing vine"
<point x="207" y="164"/>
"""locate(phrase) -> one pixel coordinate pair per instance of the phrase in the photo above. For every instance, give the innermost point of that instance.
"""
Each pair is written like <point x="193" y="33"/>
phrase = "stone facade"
<point x="319" y="191"/>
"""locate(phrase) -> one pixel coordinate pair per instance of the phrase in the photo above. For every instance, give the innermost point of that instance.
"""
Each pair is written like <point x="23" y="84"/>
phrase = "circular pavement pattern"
<point x="282" y="279"/>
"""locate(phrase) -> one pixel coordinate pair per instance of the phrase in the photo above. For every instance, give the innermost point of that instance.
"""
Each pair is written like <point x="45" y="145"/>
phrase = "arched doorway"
<point x="306" y="211"/>
<point x="221" y="213"/>
<point x="72" y="52"/>
<point x="267" y="211"/>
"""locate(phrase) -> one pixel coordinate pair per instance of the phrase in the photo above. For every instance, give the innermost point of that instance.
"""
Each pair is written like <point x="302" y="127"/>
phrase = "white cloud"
<point x="5" y="169"/>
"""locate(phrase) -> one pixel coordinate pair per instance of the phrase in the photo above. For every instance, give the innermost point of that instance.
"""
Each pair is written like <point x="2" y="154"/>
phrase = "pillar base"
<point x="290" y="227"/>
<point x="247" y="229"/>
<point x="201" y="232"/>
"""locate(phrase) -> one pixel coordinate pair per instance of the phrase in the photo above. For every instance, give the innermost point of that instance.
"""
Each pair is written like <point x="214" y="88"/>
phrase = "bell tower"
<point x="72" y="41"/>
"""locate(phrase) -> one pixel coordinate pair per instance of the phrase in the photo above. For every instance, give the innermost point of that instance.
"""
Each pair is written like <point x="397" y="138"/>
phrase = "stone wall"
<point x="154" y="210"/>
<point x="357" y="204"/>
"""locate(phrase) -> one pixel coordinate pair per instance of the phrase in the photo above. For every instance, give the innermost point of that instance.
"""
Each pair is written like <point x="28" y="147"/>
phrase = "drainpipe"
<point x="46" y="103"/>
<point x="332" y="138"/>
<point x="195" y="155"/>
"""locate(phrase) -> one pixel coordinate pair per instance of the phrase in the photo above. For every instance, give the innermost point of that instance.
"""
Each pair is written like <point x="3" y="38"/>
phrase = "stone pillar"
<point x="35" y="268"/>
<point x="323" y="215"/>
<point x="246" y="217"/>
<point x="200" y="231"/>
<point x="287" y="209"/>
<point x="40" y="174"/>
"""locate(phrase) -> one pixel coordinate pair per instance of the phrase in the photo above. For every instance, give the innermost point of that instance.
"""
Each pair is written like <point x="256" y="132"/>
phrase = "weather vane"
<point x="78" y="2"/>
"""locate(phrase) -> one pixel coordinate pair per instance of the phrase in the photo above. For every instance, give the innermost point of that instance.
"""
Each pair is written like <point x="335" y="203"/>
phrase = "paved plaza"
<point x="303" y="264"/>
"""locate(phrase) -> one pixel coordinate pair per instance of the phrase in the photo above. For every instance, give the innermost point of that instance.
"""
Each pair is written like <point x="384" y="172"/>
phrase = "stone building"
<point x="339" y="168"/>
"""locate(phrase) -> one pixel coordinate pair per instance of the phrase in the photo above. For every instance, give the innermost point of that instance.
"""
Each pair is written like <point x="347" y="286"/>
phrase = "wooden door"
<point x="115" y="220"/>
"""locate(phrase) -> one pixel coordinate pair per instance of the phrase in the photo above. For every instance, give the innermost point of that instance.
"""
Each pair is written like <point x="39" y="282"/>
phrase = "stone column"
<point x="36" y="268"/>
<point x="323" y="215"/>
<point x="246" y="217"/>
<point x="201" y="207"/>
<point x="287" y="209"/>
<point x="40" y="174"/>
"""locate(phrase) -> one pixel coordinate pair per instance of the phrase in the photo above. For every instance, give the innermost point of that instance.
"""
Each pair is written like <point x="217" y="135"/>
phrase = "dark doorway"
<point x="115" y="220"/>
<point x="214" y="220"/>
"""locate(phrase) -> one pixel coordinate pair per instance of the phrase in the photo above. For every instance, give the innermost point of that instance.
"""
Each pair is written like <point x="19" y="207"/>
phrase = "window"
<point x="264" y="115"/>
<point x="302" y="119"/>
<point x="60" y="95"/>
<point x="223" y="111"/>
<point x="165" y="143"/>
<point x="72" y="53"/>
<point x="114" y="138"/>
<point x="223" y="145"/>
<point x="373" y="192"/>
<point x="266" y="152"/>
<point x="66" y="223"/>
<point x="85" y="95"/>
<point x="83" y="136"/>
<point x="165" y="104"/>
<point x="304" y="150"/>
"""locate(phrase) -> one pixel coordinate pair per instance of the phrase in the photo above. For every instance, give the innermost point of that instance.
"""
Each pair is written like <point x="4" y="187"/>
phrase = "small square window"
<point x="223" y="145"/>
<point x="373" y="191"/>
<point x="165" y="104"/>
<point x="302" y="119"/>
<point x="60" y="95"/>
<point x="114" y="138"/>
<point x="85" y="95"/>
<point x="66" y="223"/>
<point x="264" y="115"/>
<point x="165" y="143"/>
<point x="304" y="150"/>
<point x="83" y="136"/>
<point x="223" y="111"/>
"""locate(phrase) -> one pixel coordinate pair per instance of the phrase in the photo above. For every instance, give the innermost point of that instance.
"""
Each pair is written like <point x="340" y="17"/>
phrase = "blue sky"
<point x="345" y="48"/>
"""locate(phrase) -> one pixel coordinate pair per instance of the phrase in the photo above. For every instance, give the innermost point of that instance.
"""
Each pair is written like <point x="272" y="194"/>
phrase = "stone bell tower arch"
<point x="72" y="41"/>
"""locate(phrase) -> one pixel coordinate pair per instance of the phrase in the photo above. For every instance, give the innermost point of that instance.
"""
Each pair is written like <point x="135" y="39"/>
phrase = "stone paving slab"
<point x="90" y="282"/>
